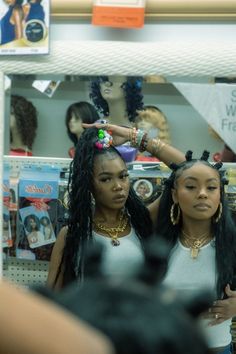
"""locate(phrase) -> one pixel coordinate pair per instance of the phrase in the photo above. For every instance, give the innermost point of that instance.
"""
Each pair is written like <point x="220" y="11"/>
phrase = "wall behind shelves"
<point x="54" y="142"/>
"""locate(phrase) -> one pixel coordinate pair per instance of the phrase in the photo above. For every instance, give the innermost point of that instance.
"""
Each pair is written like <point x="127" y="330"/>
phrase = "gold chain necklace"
<point x="113" y="232"/>
<point x="195" y="244"/>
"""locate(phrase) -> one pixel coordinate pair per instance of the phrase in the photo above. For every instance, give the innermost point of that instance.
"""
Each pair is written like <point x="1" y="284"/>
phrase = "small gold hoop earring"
<point x="174" y="219"/>
<point x="217" y="218"/>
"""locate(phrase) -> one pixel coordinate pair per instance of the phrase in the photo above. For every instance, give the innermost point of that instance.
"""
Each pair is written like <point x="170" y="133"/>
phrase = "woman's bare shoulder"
<point x="62" y="234"/>
<point x="54" y="280"/>
<point x="60" y="242"/>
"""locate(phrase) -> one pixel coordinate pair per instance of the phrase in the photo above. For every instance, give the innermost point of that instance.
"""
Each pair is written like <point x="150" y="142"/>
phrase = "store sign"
<point x="217" y="105"/>
<point x="24" y="28"/>
<point x="119" y="13"/>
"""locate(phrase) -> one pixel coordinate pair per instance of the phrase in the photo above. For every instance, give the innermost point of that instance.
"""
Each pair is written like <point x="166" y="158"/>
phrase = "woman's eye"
<point x="107" y="179"/>
<point x="190" y="187"/>
<point x="124" y="176"/>
<point x="211" y="188"/>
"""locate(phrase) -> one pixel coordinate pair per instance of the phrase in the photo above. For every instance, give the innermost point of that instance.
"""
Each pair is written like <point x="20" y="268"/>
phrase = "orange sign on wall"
<point x="119" y="13"/>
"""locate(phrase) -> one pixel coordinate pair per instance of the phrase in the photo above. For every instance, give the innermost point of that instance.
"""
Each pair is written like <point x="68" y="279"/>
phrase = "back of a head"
<point x="136" y="320"/>
<point x="137" y="316"/>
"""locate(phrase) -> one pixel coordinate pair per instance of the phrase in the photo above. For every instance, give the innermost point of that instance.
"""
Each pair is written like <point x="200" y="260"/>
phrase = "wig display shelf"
<point x="25" y="272"/>
<point x="16" y="162"/>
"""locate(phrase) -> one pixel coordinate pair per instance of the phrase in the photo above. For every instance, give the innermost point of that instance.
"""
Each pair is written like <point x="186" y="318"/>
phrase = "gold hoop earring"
<point x="217" y="218"/>
<point x="174" y="220"/>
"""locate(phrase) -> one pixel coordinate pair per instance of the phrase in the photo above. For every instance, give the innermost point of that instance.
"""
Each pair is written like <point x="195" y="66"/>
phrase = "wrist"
<point x="138" y="139"/>
<point x="155" y="146"/>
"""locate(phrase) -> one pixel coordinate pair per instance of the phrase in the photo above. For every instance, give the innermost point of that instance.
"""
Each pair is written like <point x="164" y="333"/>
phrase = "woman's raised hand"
<point x="120" y="134"/>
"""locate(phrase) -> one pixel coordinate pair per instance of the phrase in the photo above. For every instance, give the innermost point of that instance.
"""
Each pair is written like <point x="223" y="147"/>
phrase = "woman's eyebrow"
<point x="196" y="179"/>
<point x="111" y="173"/>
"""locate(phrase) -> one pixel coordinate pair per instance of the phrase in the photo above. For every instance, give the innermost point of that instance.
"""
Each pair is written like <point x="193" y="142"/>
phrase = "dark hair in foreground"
<point x="224" y="231"/>
<point x="133" y="95"/>
<point x="136" y="314"/>
<point x="80" y="205"/>
<point x="82" y="110"/>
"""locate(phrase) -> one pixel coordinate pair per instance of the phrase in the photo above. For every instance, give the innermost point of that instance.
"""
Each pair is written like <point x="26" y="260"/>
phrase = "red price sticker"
<point x="119" y="13"/>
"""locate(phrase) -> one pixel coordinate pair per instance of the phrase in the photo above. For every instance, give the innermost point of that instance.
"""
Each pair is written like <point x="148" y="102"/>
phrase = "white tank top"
<point x="123" y="259"/>
<point x="189" y="276"/>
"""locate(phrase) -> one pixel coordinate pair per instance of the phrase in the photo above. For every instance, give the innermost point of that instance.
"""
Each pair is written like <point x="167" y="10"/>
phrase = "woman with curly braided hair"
<point x="103" y="206"/>
<point x="196" y="221"/>
<point x="23" y="126"/>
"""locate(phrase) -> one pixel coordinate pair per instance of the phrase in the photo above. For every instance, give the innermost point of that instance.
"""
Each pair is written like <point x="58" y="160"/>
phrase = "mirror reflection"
<point x="43" y="121"/>
<point x="43" y="115"/>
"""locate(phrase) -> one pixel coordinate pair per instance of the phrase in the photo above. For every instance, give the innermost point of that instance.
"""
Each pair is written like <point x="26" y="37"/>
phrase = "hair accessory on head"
<point x="218" y="165"/>
<point x="225" y="181"/>
<point x="189" y="155"/>
<point x="205" y="155"/>
<point x="174" y="166"/>
<point x="104" y="139"/>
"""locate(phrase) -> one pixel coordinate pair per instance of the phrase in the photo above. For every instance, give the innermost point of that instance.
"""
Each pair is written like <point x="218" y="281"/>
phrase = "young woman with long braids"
<point x="103" y="206"/>
<point x="202" y="236"/>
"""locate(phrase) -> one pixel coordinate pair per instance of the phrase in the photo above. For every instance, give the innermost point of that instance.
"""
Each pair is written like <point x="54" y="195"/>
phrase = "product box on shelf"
<point x="6" y="233"/>
<point x="38" y="194"/>
<point x="231" y="188"/>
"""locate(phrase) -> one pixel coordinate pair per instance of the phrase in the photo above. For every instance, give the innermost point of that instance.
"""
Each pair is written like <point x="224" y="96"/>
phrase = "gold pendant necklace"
<point x="195" y="244"/>
<point x="113" y="232"/>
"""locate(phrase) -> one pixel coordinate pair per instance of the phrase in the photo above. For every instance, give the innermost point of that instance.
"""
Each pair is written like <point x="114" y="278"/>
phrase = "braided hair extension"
<point x="133" y="96"/>
<point x="224" y="231"/>
<point x="80" y="205"/>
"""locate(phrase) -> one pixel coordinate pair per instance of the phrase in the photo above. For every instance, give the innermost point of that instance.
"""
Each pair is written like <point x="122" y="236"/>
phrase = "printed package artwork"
<point x="24" y="27"/>
<point x="38" y="227"/>
<point x="38" y="199"/>
<point x="6" y="234"/>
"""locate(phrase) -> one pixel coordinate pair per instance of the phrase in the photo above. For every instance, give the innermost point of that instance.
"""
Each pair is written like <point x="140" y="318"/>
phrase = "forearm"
<point x="165" y="153"/>
<point x="156" y="147"/>
<point x="138" y="139"/>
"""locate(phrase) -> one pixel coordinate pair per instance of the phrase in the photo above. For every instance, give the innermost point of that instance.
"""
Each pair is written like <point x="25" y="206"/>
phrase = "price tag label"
<point x="119" y="13"/>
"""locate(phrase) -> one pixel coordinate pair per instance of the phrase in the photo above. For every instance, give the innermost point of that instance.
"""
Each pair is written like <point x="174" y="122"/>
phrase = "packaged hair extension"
<point x="6" y="233"/>
<point x="62" y="206"/>
<point x="38" y="194"/>
<point x="231" y="190"/>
